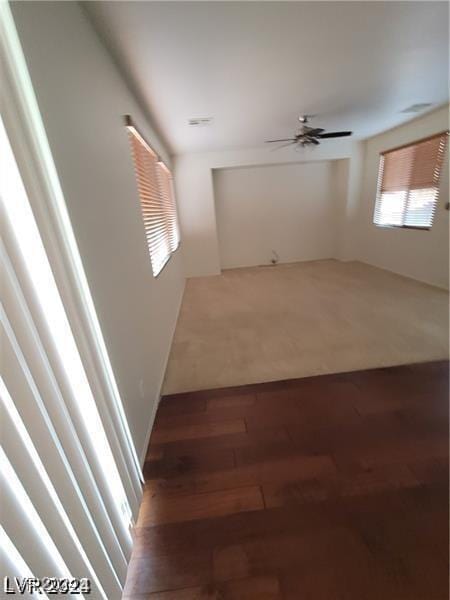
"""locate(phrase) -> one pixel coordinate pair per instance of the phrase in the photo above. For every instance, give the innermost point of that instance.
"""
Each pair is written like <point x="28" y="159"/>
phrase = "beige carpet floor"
<point x="269" y="323"/>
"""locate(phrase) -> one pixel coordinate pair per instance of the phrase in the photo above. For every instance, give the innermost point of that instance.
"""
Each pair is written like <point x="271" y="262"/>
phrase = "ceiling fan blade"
<point x="313" y="132"/>
<point x="290" y="143"/>
<point x="334" y="134"/>
<point x="285" y="140"/>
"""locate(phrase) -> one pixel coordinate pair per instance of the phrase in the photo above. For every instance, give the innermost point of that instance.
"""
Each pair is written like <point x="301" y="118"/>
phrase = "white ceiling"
<point x="255" y="66"/>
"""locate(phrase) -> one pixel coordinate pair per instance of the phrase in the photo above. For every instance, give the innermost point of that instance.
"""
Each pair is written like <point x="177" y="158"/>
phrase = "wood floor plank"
<point x="196" y="418"/>
<point x="200" y="430"/>
<point x="253" y="588"/>
<point x="227" y="440"/>
<point x="287" y="552"/>
<point x="352" y="512"/>
<point x="176" y="538"/>
<point x="357" y="482"/>
<point x="307" y="406"/>
<point x="158" y="509"/>
<point x="430" y="470"/>
<point x="154" y="452"/>
<point x="179" y="406"/>
<point x="290" y="469"/>
<point x="169" y="465"/>
<point x="241" y="400"/>
<point x="264" y="411"/>
<point x="407" y="451"/>
<point x="155" y="573"/>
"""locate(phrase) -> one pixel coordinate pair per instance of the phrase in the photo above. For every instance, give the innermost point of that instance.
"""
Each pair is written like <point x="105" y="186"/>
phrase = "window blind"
<point x="408" y="183"/>
<point x="168" y="201"/>
<point x="157" y="199"/>
<point x="68" y="508"/>
<point x="70" y="477"/>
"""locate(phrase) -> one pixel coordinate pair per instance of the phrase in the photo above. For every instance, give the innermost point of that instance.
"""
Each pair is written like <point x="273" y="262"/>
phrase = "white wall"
<point x="422" y="255"/>
<point x="288" y="208"/>
<point x="195" y="193"/>
<point x="195" y="198"/>
<point x="82" y="99"/>
<point x="348" y="179"/>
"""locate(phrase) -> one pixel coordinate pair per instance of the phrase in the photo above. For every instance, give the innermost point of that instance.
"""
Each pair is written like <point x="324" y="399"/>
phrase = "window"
<point x="408" y="184"/>
<point x="157" y="198"/>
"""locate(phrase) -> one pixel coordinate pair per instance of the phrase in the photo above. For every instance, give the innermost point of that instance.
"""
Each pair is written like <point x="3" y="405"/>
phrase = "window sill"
<point x="402" y="227"/>
<point x="167" y="261"/>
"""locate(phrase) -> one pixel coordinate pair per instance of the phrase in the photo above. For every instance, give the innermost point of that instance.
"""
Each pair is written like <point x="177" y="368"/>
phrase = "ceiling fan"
<point x="308" y="136"/>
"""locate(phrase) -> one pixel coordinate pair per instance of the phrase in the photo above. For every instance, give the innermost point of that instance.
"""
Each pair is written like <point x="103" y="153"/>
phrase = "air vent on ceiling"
<point x="415" y="108"/>
<point x="200" y="121"/>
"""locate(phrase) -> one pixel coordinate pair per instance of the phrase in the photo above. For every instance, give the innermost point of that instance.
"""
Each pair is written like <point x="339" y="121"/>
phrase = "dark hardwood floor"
<point x="325" y="488"/>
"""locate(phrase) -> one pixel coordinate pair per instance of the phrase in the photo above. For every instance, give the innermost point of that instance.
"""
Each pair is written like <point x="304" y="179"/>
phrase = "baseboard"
<point x="422" y="281"/>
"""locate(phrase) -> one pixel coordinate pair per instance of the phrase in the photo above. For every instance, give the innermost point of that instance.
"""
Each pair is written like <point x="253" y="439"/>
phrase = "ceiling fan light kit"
<point x="308" y="136"/>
